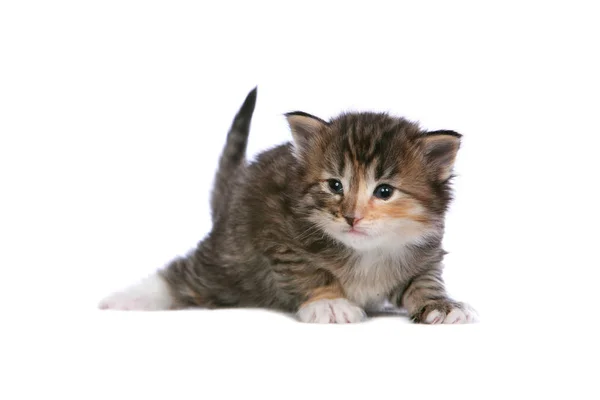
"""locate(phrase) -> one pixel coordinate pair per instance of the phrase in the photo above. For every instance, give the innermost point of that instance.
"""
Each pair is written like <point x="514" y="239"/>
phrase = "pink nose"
<point x="351" y="220"/>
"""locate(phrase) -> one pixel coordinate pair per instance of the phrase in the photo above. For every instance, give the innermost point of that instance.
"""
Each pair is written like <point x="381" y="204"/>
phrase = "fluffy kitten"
<point x="348" y="216"/>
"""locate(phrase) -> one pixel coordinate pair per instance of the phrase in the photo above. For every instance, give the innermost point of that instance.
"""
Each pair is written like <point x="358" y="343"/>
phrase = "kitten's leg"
<point x="149" y="294"/>
<point x="426" y="301"/>
<point x="329" y="305"/>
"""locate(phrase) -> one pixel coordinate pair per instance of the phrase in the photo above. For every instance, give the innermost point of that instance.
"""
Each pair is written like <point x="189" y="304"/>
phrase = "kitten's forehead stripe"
<point x="341" y="164"/>
<point x="370" y="139"/>
<point x="351" y="145"/>
<point x="386" y="161"/>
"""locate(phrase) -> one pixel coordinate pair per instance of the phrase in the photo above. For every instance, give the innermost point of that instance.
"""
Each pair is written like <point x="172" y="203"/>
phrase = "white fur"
<point x="372" y="277"/>
<point x="470" y="313"/>
<point x="434" y="317"/>
<point x="455" y="316"/>
<point x="466" y="315"/>
<point x="325" y="311"/>
<point x="151" y="293"/>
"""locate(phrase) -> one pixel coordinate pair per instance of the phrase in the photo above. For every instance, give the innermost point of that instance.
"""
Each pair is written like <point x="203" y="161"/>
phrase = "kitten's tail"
<point x="233" y="155"/>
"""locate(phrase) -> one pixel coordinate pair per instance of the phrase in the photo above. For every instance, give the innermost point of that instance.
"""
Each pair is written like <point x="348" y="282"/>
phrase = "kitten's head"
<point x="372" y="180"/>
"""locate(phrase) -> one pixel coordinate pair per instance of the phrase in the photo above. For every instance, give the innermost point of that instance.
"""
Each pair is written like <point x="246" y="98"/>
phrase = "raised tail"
<point x="233" y="155"/>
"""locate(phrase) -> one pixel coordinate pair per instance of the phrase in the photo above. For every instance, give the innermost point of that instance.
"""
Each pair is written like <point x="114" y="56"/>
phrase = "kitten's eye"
<point x="335" y="186"/>
<point x="383" y="192"/>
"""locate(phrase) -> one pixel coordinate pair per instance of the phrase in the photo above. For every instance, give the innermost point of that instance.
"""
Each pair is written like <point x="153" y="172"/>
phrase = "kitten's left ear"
<point x="305" y="128"/>
<point x="440" y="151"/>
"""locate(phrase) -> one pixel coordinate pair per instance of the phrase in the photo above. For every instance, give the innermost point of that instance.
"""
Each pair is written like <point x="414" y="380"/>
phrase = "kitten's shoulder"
<point x="277" y="155"/>
<point x="275" y="164"/>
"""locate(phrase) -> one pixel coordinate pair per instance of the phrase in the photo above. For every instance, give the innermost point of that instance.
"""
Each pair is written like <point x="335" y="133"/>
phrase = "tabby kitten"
<point x="348" y="216"/>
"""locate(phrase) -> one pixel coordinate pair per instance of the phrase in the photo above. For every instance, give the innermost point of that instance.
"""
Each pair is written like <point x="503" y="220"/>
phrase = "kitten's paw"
<point x="445" y="312"/>
<point x="325" y="311"/>
<point x="150" y="294"/>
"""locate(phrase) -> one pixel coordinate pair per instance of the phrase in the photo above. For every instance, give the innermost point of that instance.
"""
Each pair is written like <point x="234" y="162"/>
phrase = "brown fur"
<point x="402" y="208"/>
<point x="333" y="291"/>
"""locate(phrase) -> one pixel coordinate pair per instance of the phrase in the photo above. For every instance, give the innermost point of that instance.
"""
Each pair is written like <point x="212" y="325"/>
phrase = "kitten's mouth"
<point x="357" y="232"/>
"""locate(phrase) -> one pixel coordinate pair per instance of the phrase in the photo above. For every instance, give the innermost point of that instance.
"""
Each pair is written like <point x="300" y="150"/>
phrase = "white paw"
<point x="463" y="315"/>
<point x="150" y="294"/>
<point x="325" y="311"/>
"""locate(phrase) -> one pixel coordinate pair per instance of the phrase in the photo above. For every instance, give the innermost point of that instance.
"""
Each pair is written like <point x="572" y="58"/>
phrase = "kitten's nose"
<point x="351" y="220"/>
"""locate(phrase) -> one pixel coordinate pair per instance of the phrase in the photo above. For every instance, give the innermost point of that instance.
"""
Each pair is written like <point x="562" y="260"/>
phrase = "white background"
<point x="113" y="114"/>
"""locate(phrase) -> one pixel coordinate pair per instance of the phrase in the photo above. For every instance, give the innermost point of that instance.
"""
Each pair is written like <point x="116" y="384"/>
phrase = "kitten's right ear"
<point x="305" y="128"/>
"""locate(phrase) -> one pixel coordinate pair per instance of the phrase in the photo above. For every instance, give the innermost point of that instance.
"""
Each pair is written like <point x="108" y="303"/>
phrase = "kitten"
<point x="347" y="217"/>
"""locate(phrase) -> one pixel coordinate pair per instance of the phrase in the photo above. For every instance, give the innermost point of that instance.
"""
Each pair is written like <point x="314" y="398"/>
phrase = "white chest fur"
<point x="372" y="277"/>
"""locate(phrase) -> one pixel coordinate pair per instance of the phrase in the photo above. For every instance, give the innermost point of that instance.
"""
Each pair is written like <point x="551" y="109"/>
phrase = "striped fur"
<point x="283" y="239"/>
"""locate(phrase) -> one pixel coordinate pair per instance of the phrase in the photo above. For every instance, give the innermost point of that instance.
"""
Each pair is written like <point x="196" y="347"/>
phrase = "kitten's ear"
<point x="440" y="151"/>
<point x="305" y="127"/>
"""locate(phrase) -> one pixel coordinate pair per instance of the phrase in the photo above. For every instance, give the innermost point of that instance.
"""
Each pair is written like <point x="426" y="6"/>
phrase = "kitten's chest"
<point x="369" y="279"/>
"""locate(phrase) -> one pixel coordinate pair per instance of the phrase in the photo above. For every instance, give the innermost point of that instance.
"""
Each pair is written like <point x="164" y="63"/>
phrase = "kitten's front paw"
<point x="445" y="312"/>
<point x="325" y="311"/>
